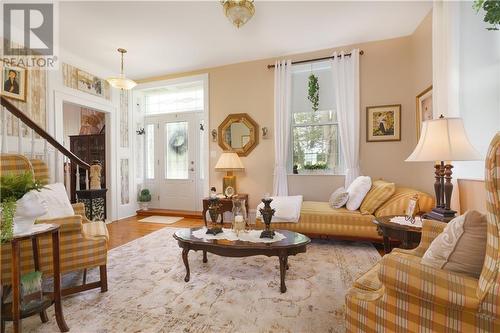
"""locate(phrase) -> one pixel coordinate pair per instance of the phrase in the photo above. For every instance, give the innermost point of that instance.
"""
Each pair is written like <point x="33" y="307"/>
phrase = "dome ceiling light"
<point x="121" y="82"/>
<point x="238" y="11"/>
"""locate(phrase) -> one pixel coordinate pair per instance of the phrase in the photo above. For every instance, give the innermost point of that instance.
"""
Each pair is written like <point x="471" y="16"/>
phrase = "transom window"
<point x="315" y="143"/>
<point x="174" y="98"/>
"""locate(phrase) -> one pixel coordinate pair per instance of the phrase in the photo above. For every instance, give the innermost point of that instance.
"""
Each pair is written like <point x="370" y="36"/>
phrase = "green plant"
<point x="313" y="91"/>
<point x="492" y="9"/>
<point x="145" y="195"/>
<point x="12" y="188"/>
<point x="317" y="166"/>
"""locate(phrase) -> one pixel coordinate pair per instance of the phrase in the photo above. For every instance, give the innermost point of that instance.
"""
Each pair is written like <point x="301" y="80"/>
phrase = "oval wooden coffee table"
<point x="293" y="243"/>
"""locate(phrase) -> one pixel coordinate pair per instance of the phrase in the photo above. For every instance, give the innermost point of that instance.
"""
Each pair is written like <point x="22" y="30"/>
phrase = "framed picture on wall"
<point x="90" y="84"/>
<point x="424" y="108"/>
<point x="383" y="123"/>
<point x="14" y="82"/>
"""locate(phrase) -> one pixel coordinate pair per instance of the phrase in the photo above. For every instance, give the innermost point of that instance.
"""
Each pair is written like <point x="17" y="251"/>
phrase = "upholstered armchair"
<point x="399" y="294"/>
<point x="83" y="244"/>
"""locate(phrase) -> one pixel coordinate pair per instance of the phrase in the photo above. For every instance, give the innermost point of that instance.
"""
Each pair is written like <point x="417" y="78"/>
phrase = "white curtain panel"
<point x="282" y="110"/>
<point x="345" y="70"/>
<point x="445" y="58"/>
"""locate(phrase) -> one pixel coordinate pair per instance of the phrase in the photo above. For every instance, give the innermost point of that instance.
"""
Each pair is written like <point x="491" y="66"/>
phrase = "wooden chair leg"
<point x="43" y="316"/>
<point x="84" y="276"/>
<point x="104" y="278"/>
<point x="3" y="325"/>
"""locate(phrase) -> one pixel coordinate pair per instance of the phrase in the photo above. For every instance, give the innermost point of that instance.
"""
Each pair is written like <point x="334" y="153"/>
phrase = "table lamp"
<point x="443" y="140"/>
<point x="229" y="162"/>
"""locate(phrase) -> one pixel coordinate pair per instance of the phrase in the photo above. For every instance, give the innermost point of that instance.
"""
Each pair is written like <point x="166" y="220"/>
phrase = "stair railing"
<point x="69" y="156"/>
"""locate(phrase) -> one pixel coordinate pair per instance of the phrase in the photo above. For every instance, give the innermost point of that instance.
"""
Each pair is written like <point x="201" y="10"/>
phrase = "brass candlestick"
<point x="214" y="211"/>
<point x="267" y="214"/>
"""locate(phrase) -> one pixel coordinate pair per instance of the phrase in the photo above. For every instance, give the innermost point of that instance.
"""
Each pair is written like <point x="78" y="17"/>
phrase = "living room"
<point x="303" y="139"/>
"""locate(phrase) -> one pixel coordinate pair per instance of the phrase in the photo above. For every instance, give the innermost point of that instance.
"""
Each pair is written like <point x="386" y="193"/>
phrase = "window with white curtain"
<point x="174" y="98"/>
<point x="314" y="135"/>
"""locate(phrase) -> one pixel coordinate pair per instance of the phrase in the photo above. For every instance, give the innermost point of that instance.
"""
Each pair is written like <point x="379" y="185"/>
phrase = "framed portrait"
<point x="413" y="209"/>
<point x="89" y="83"/>
<point x="383" y="123"/>
<point x="424" y="108"/>
<point x="14" y="82"/>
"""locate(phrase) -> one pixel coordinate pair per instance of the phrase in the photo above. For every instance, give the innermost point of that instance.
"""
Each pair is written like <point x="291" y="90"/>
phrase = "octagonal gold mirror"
<point x="238" y="133"/>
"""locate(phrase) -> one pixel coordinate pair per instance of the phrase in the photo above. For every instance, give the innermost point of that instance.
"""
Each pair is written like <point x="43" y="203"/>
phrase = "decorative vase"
<point x="239" y="215"/>
<point x="267" y="215"/>
<point x="144" y="205"/>
<point x="214" y="212"/>
<point x="28" y="209"/>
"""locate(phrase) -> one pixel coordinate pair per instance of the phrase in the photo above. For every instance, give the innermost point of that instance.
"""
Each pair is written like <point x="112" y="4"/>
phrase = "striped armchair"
<point x="83" y="244"/>
<point x="401" y="295"/>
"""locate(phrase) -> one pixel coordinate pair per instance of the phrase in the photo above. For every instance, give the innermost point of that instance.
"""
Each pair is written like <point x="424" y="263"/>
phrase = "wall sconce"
<point x="265" y="133"/>
<point x="141" y="131"/>
<point x="214" y="135"/>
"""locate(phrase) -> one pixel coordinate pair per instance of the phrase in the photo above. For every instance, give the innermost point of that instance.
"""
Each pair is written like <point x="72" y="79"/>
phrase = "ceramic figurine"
<point x="95" y="176"/>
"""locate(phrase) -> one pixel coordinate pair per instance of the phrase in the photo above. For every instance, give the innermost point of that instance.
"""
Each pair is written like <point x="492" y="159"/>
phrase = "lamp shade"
<point x="229" y="162"/>
<point x="443" y="139"/>
<point x="121" y="82"/>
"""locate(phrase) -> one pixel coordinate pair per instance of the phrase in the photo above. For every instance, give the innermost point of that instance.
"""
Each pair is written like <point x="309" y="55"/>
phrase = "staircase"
<point x="62" y="157"/>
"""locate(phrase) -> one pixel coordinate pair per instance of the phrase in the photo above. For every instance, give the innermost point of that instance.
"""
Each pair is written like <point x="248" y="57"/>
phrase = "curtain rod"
<point x="317" y="59"/>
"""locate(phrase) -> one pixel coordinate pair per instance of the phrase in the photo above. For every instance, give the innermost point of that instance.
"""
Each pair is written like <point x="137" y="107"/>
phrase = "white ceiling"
<point x="168" y="37"/>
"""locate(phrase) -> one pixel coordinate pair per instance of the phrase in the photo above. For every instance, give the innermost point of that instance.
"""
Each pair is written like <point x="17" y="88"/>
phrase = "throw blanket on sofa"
<point x="287" y="209"/>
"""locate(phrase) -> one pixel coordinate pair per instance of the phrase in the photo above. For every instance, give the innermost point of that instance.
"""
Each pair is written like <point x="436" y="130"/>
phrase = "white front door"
<point x="177" y="161"/>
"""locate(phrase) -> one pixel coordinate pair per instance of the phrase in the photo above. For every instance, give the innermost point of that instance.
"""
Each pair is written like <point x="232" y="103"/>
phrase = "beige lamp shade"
<point x="443" y="139"/>
<point x="229" y="162"/>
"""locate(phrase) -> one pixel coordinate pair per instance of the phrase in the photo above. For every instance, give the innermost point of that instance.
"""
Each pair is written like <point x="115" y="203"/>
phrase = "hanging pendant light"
<point x="238" y="11"/>
<point x="121" y="82"/>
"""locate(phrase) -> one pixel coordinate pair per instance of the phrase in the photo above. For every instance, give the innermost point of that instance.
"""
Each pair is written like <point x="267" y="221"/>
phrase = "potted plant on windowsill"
<point x="20" y="206"/>
<point x="315" y="168"/>
<point x="144" y="199"/>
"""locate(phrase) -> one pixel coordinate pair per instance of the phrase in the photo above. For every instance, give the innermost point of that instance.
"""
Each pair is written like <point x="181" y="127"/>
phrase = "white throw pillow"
<point x="461" y="246"/>
<point x="338" y="198"/>
<point x="357" y="192"/>
<point x="55" y="199"/>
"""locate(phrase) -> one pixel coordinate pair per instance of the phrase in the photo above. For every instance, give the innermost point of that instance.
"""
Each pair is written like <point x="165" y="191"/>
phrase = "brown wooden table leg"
<point x="387" y="245"/>
<point x="36" y="250"/>
<point x="16" y="286"/>
<point x="205" y="259"/>
<point x="185" y="252"/>
<point x="283" y="262"/>
<point x="57" y="283"/>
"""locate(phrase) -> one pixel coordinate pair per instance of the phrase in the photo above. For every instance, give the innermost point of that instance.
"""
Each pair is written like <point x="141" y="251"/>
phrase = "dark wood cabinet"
<point x="89" y="148"/>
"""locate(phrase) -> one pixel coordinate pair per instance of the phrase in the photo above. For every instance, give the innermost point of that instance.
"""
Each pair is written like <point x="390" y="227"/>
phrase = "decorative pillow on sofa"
<point x="461" y="246"/>
<point x="338" y="198"/>
<point x="380" y="192"/>
<point x="357" y="192"/>
<point x="55" y="199"/>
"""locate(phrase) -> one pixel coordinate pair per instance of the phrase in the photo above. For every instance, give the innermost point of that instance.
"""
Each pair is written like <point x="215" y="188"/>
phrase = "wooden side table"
<point x="409" y="236"/>
<point x="226" y="205"/>
<point x="12" y="312"/>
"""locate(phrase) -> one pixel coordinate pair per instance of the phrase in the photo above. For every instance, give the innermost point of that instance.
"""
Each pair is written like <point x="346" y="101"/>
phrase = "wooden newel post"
<point x="95" y="175"/>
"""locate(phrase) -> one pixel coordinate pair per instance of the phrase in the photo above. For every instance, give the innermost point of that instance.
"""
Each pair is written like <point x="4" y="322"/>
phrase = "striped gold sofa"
<point x="399" y="294"/>
<point x="83" y="244"/>
<point x="319" y="219"/>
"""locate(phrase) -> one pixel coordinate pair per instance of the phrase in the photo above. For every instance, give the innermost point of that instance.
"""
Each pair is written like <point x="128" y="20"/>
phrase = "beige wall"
<point x="392" y="72"/>
<point x="472" y="195"/>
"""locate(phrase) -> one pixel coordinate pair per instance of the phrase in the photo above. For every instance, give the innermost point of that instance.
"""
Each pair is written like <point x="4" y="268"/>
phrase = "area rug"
<point x="161" y="219"/>
<point x="147" y="292"/>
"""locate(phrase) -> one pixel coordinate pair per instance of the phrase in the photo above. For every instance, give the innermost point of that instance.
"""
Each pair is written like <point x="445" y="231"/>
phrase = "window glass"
<point x="176" y="150"/>
<point x="150" y="151"/>
<point x="174" y="98"/>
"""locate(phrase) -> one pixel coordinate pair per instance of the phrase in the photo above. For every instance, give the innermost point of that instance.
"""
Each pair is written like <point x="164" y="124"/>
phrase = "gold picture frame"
<point x="424" y="108"/>
<point x="383" y="123"/>
<point x="14" y="82"/>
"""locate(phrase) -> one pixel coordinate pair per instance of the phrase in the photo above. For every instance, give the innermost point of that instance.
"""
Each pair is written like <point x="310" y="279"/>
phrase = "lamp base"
<point x="267" y="234"/>
<point x="228" y="181"/>
<point x="440" y="214"/>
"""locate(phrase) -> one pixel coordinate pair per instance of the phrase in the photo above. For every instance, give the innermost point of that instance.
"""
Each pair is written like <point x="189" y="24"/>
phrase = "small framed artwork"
<point x="14" y="82"/>
<point x="90" y="84"/>
<point x="424" y="108"/>
<point x="413" y="209"/>
<point x="383" y="123"/>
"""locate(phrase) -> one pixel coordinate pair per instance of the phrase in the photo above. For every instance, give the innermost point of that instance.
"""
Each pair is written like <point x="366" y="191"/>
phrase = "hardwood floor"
<point x="126" y="230"/>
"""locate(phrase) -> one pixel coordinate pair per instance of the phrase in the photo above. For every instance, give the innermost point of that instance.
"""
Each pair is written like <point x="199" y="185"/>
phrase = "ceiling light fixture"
<point x="238" y="11"/>
<point x="121" y="82"/>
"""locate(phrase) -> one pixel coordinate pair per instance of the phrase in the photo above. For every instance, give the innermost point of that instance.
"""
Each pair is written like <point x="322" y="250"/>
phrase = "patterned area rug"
<point x="147" y="292"/>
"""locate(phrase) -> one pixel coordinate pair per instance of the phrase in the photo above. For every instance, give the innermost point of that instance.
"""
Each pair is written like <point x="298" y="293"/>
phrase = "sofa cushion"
<point x="55" y="199"/>
<point x="338" y="198"/>
<point x="461" y="246"/>
<point x="398" y="202"/>
<point x="380" y="192"/>
<point x="357" y="192"/>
